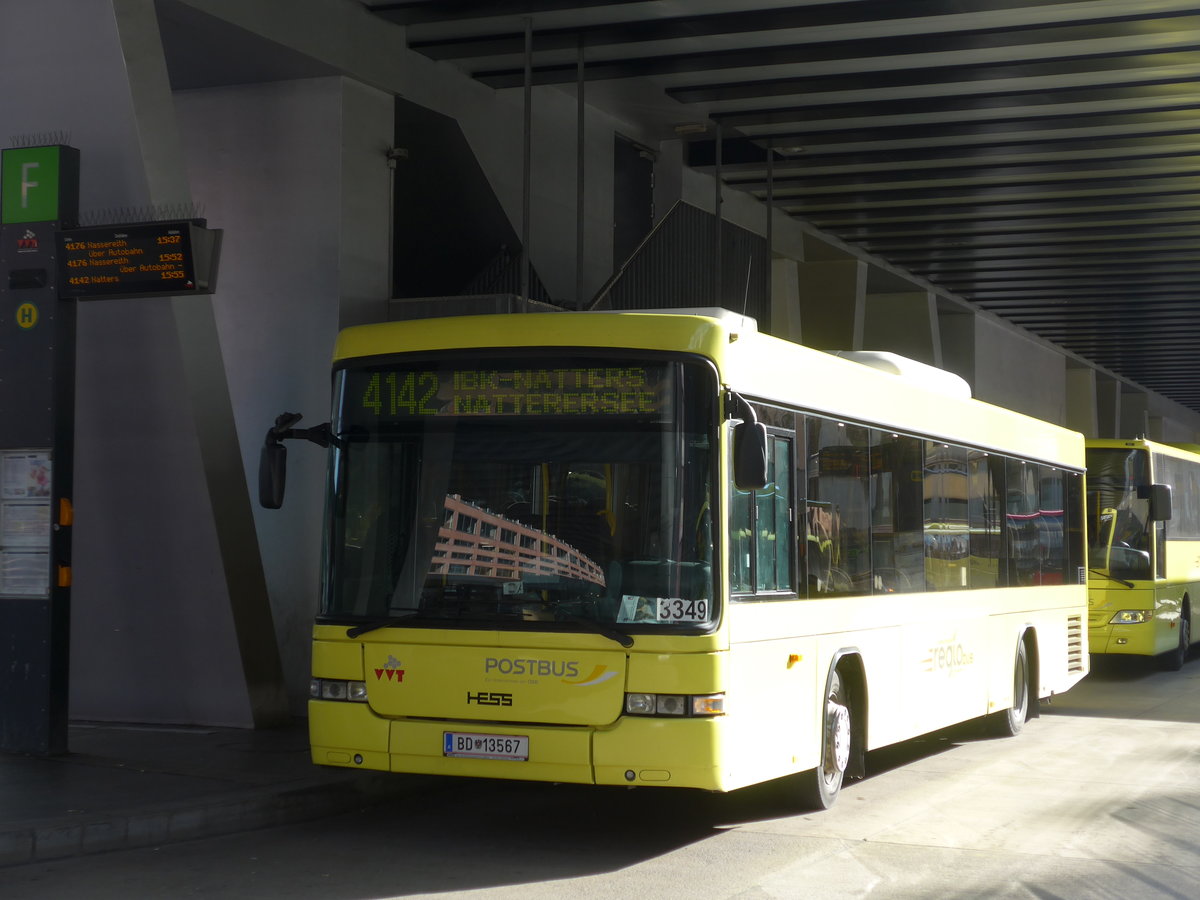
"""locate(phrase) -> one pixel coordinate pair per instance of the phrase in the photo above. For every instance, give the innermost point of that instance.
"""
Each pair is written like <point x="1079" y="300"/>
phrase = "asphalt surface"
<point x="124" y="787"/>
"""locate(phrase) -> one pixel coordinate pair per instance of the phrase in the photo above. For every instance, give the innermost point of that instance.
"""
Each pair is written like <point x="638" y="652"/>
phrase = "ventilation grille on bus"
<point x="1075" y="645"/>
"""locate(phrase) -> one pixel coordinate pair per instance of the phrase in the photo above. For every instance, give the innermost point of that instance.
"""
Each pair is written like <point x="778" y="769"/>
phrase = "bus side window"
<point x="1025" y="563"/>
<point x="761" y="526"/>
<point x="947" y="537"/>
<point x="1051" y="537"/>
<point x="838" y="511"/>
<point x="897" y="541"/>
<point x="985" y="518"/>
<point x="773" y="519"/>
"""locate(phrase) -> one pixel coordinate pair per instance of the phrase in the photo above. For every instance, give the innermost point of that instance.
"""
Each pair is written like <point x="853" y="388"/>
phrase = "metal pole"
<point x="525" y="162"/>
<point x="579" y="199"/>
<point x="718" y="213"/>
<point x="770" y="230"/>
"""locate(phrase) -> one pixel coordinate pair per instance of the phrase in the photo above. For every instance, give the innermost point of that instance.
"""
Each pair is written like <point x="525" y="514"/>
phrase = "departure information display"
<point x="145" y="259"/>
<point x="605" y="390"/>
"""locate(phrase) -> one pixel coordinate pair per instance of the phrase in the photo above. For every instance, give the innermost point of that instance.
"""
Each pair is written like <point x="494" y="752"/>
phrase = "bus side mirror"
<point x="272" y="473"/>
<point x="1160" y="502"/>
<point x="750" y="456"/>
<point x="749" y="447"/>
<point x="272" y="460"/>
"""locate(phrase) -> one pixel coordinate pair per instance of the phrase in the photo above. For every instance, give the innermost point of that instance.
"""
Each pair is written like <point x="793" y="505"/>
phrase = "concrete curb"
<point x="155" y="825"/>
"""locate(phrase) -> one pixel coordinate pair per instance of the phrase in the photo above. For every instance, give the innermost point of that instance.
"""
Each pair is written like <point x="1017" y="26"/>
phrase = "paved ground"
<point x="126" y="786"/>
<point x="1108" y="778"/>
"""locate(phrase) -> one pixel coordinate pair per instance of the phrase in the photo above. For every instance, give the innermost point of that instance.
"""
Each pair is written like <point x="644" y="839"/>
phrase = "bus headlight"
<point x="1132" y="617"/>
<point x="337" y="689"/>
<point x="675" y="705"/>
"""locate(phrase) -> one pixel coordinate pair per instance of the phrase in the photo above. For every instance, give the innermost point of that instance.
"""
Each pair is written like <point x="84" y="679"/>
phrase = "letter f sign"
<point x="26" y="184"/>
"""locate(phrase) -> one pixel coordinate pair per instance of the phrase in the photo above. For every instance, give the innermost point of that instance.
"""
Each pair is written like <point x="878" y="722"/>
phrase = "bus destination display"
<point x="558" y="391"/>
<point x="146" y="259"/>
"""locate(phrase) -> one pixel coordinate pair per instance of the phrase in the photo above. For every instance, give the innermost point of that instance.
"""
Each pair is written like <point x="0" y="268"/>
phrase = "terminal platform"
<point x="127" y="786"/>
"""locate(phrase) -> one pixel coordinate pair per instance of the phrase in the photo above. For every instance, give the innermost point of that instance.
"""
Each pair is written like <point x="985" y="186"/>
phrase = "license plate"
<point x="486" y="746"/>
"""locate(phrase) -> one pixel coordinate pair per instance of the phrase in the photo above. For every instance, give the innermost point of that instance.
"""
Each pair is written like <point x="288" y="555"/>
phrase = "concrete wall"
<point x="294" y="174"/>
<point x="1018" y="372"/>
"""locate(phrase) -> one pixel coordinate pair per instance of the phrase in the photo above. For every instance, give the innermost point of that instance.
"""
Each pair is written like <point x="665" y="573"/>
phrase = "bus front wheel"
<point x="824" y="783"/>
<point x="1173" y="660"/>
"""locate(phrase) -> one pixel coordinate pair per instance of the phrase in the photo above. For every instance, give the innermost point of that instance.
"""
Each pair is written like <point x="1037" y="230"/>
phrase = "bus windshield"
<point x="502" y="494"/>
<point x="1119" y="529"/>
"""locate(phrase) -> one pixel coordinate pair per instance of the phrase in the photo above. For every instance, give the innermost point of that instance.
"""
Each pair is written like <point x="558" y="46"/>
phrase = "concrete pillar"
<point x="1108" y="406"/>
<point x="904" y="323"/>
<point x="1015" y="371"/>
<point x="365" y="285"/>
<point x="785" y="299"/>
<point x="833" y="303"/>
<point x="1135" y="413"/>
<point x="1081" y="400"/>
<point x="205" y="377"/>
<point x="956" y="338"/>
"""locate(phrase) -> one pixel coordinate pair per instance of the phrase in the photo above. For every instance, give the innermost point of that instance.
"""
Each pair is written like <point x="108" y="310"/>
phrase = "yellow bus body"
<point x="929" y="660"/>
<point x="1175" y="585"/>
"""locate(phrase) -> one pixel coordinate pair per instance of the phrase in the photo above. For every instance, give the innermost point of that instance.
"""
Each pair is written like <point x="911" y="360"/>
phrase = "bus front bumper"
<point x="662" y="752"/>
<point x="1127" y="640"/>
<point x="1157" y="634"/>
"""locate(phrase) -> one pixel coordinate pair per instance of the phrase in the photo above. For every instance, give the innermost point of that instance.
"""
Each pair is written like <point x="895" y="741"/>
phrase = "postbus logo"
<point x="567" y="671"/>
<point x="598" y="675"/>
<point x="392" y="670"/>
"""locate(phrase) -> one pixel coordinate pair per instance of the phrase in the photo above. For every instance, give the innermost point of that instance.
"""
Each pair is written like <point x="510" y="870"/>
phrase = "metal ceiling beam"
<point x="415" y="12"/>
<point x="1134" y="67"/>
<point x="818" y="114"/>
<point x="1038" y="160"/>
<point x="804" y="19"/>
<point x="1043" y="52"/>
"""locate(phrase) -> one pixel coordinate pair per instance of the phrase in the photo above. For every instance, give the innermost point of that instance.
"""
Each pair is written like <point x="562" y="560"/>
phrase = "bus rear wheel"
<point x="1010" y="722"/>
<point x="824" y="783"/>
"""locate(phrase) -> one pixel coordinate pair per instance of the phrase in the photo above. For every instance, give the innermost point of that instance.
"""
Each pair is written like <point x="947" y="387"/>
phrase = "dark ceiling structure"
<point x="1039" y="159"/>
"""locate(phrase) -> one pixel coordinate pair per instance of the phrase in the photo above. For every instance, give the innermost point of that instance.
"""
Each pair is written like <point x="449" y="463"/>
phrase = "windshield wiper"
<point x="1111" y="577"/>
<point x="625" y="640"/>
<point x="592" y="625"/>
<point x="382" y="623"/>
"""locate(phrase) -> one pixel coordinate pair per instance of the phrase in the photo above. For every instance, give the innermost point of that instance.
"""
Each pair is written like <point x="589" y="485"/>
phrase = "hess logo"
<point x="489" y="698"/>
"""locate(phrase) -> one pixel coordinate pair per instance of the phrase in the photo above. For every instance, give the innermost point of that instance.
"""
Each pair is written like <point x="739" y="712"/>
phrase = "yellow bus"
<point x="663" y="548"/>
<point x="1144" y="548"/>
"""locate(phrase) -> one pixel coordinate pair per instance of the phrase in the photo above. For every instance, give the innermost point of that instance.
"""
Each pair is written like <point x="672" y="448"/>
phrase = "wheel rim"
<point x="837" y="740"/>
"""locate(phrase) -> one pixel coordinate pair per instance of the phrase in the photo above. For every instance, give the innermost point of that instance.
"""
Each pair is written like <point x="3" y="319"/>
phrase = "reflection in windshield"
<point x="1118" y="512"/>
<point x="478" y="543"/>
<point x="507" y="520"/>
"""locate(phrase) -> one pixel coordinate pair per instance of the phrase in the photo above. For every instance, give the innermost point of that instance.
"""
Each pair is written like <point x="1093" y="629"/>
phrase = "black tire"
<point x="1010" y="722"/>
<point x="822" y="785"/>
<point x="1173" y="661"/>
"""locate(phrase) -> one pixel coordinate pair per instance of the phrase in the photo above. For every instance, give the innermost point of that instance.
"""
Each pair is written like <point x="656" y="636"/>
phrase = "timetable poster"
<point x="25" y="475"/>
<point x="24" y="574"/>
<point x="25" y="524"/>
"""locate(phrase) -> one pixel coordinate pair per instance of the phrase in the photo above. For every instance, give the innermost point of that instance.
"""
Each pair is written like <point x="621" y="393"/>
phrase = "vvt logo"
<point x="391" y="670"/>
